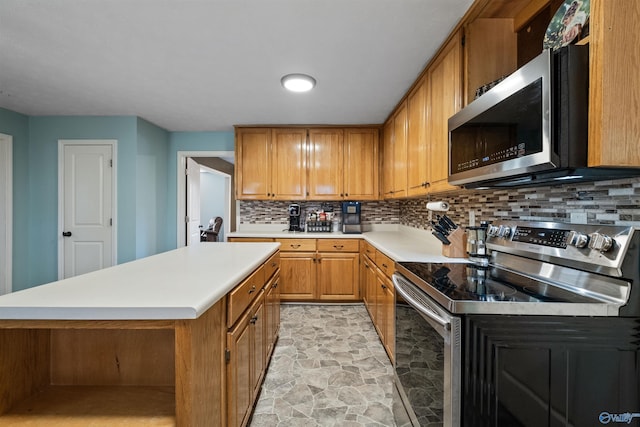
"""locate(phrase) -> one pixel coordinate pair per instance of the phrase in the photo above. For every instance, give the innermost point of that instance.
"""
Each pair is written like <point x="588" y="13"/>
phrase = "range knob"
<point x="504" y="231"/>
<point x="600" y="242"/>
<point x="577" y="239"/>
<point x="492" y="231"/>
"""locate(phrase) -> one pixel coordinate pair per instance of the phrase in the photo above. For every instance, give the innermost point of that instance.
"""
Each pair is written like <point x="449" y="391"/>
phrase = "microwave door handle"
<point x="420" y="306"/>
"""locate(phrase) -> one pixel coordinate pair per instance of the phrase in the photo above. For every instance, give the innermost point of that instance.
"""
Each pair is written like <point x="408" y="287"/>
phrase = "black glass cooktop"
<point x="470" y="282"/>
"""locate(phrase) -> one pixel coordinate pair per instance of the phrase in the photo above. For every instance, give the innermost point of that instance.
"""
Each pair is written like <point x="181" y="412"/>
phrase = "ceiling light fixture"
<point x="298" y="82"/>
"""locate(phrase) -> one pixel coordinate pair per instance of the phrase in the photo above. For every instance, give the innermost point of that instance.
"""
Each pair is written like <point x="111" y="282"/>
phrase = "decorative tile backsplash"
<point x="604" y="202"/>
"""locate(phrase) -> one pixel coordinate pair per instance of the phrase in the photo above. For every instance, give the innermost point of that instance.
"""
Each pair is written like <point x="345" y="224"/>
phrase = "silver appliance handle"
<point x="422" y="306"/>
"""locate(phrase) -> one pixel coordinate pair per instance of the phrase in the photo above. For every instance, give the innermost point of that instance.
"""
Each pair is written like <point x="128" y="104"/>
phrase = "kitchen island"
<point x="141" y="343"/>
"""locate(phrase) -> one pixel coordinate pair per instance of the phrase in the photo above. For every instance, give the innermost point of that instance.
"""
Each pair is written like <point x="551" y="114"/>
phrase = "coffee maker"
<point x="294" y="217"/>
<point x="351" y="218"/>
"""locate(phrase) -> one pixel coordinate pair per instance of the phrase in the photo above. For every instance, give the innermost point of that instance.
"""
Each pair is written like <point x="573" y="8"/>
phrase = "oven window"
<point x="420" y="364"/>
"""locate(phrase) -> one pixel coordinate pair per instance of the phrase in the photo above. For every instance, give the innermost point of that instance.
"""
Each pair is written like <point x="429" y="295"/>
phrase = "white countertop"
<point x="398" y="242"/>
<point x="179" y="284"/>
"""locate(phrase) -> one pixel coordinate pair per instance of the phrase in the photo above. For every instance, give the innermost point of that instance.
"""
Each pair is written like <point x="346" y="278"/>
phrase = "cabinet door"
<point x="325" y="164"/>
<point x="614" y="88"/>
<point x="361" y="164"/>
<point x="257" y="325"/>
<point x="272" y="313"/>
<point x="417" y="141"/>
<point x="338" y="276"/>
<point x="253" y="163"/>
<point x="400" y="153"/>
<point x="445" y="91"/>
<point x="388" y="306"/>
<point x="239" y="381"/>
<point x="369" y="286"/>
<point x="289" y="164"/>
<point x="298" y="276"/>
<point x="387" y="159"/>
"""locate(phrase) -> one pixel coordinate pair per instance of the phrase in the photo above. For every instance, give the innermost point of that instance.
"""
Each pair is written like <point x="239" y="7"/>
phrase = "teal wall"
<point x="17" y="125"/>
<point x="151" y="195"/>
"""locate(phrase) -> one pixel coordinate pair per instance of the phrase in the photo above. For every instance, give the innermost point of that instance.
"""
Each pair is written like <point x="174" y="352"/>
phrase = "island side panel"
<point x="24" y="364"/>
<point x="200" y="369"/>
<point x="112" y="357"/>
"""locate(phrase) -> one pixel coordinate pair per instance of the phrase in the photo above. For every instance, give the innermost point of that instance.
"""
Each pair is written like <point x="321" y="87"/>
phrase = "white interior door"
<point x="193" y="202"/>
<point x="6" y="212"/>
<point x="87" y="202"/>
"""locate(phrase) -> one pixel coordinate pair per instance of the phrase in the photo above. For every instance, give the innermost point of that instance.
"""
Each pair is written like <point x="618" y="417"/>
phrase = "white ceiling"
<point x="204" y="65"/>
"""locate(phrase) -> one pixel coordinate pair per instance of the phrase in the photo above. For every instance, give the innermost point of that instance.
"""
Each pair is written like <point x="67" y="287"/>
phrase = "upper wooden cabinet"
<point x="271" y="163"/>
<point x="445" y="99"/>
<point x="395" y="155"/>
<point x="253" y="163"/>
<point x="307" y="164"/>
<point x="326" y="158"/>
<point x="361" y="164"/>
<point x="418" y="172"/>
<point x="289" y="164"/>
<point x="614" y="88"/>
<point x="387" y="159"/>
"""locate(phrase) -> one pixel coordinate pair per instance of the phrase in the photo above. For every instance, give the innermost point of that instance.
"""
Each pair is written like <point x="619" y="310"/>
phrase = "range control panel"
<point x="576" y="244"/>
<point x="541" y="236"/>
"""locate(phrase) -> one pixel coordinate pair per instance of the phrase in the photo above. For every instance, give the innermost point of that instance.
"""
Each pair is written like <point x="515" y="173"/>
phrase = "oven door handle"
<point x="420" y="305"/>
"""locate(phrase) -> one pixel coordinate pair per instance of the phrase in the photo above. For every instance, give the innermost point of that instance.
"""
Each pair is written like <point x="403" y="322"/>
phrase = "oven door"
<point x="428" y="359"/>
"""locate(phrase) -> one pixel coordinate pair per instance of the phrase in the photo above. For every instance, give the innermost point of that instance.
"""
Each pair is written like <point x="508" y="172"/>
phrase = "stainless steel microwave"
<point x="530" y="126"/>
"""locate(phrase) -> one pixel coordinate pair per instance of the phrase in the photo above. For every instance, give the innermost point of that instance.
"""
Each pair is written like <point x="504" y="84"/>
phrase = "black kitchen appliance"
<point x="294" y="217"/>
<point x="545" y="334"/>
<point x="351" y="218"/>
<point x="529" y="129"/>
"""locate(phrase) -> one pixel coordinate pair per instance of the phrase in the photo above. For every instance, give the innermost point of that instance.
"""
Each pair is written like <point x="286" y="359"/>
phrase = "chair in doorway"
<point x="212" y="232"/>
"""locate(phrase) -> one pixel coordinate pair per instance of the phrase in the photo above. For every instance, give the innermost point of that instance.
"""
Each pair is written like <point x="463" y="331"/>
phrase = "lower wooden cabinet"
<point x="379" y="296"/>
<point x="250" y="343"/>
<point x="320" y="269"/>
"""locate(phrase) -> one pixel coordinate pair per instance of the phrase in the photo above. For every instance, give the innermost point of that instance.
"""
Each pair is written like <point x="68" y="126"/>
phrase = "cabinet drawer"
<point x="271" y="265"/>
<point x="297" y="245"/>
<point x="368" y="250"/>
<point x="384" y="263"/>
<point x="338" y="245"/>
<point x="241" y="297"/>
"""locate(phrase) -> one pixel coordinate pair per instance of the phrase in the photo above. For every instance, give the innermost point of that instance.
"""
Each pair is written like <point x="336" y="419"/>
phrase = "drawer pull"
<point x="385" y="265"/>
<point x="294" y="246"/>
<point x="338" y="246"/>
<point x="253" y="289"/>
<point x="384" y="286"/>
<point x="274" y="264"/>
<point x="253" y="320"/>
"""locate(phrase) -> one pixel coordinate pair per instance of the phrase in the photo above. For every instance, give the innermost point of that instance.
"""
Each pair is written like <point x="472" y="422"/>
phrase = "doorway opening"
<point x="220" y="163"/>
<point x="6" y="213"/>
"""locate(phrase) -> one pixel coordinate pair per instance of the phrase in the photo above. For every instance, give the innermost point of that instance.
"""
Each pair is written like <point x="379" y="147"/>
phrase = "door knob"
<point x="66" y="233"/>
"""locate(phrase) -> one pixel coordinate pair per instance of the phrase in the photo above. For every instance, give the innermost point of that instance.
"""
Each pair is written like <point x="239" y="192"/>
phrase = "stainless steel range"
<point x="544" y="331"/>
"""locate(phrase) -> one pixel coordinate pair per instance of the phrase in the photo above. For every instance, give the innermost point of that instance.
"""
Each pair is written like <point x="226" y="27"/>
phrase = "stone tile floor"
<point x="328" y="369"/>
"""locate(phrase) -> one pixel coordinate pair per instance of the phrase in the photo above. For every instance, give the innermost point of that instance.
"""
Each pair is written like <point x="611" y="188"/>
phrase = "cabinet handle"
<point x="275" y="285"/>
<point x="253" y="320"/>
<point x="366" y="266"/>
<point x="384" y="265"/>
<point x="346" y="194"/>
<point x="253" y="289"/>
<point x="274" y="264"/>
<point x="384" y="286"/>
<point x="294" y="246"/>
<point x="338" y="246"/>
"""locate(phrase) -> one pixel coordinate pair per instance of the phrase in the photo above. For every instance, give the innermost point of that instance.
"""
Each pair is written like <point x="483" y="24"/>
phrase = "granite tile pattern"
<point x="328" y="369"/>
